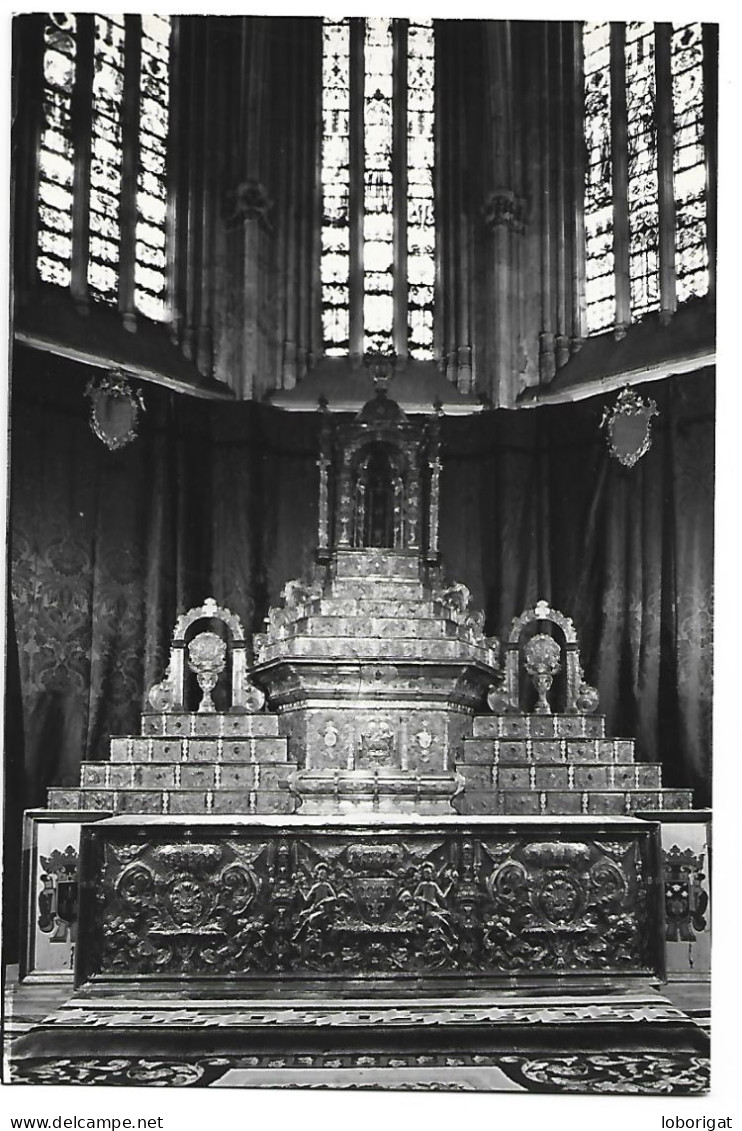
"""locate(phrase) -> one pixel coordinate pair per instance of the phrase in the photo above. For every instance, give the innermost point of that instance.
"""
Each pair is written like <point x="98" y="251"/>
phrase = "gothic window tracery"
<point x="378" y="229"/>
<point x="691" y="253"/>
<point x="600" y="284"/>
<point x="335" y="186"/>
<point x="102" y="162"/>
<point x="642" y="169"/>
<point x="645" y="178"/>
<point x="56" y="164"/>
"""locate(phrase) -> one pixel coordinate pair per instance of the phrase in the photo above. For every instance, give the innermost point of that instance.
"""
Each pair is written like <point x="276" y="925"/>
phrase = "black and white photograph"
<point x="361" y="479"/>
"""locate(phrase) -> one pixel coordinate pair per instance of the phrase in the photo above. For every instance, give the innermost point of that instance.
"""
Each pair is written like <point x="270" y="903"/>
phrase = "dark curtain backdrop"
<point x="533" y="506"/>
<point x="106" y="548"/>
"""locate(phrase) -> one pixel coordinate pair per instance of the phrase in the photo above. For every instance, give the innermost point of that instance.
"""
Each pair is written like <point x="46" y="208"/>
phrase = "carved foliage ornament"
<point x="381" y="368"/>
<point x="114" y="409"/>
<point x="628" y="425"/>
<point x="336" y="905"/>
<point x="503" y="208"/>
<point x="248" y="201"/>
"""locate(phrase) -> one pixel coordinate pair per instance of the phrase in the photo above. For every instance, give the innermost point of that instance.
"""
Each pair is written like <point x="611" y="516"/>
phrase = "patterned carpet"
<point x="633" y="1044"/>
<point x="678" y="1074"/>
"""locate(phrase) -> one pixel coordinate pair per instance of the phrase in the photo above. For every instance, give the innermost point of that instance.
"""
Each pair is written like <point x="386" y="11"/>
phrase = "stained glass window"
<point x="683" y="104"/>
<point x="107" y="141"/>
<point x="420" y="198"/>
<point x="56" y="156"/>
<point x="689" y="163"/>
<point x="151" y="264"/>
<point x="600" y="284"/>
<point x="378" y="210"/>
<point x="393" y="194"/>
<point x="643" y="186"/>
<point x="105" y="159"/>
<point x="335" y="187"/>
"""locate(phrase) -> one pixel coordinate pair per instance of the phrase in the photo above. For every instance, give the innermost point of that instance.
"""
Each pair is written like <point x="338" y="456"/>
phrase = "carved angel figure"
<point x="319" y="901"/>
<point x="457" y="596"/>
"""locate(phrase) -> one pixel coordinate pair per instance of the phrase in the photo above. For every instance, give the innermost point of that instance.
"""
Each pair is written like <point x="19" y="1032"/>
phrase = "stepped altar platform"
<point x="317" y="950"/>
<point x="387" y="830"/>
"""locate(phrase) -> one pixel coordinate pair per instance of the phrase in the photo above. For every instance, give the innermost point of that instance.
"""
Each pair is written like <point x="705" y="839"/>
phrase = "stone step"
<point x="609" y="776"/>
<point x="353" y="647"/>
<point x="507" y="752"/>
<point x="539" y="726"/>
<point x="228" y="749"/>
<point x="373" y="782"/>
<point x="529" y="803"/>
<point x="197" y="775"/>
<point x="216" y="724"/>
<point x="362" y="805"/>
<point x="495" y="802"/>
<point x="157" y="801"/>
<point x="370" y="607"/>
<point x="389" y="589"/>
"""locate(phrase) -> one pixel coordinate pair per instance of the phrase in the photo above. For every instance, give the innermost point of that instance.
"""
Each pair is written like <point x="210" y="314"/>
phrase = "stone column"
<point x="503" y="211"/>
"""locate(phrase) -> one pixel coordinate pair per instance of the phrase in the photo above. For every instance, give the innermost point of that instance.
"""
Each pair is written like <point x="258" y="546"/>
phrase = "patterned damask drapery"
<point x="534" y="506"/>
<point x="107" y="548"/>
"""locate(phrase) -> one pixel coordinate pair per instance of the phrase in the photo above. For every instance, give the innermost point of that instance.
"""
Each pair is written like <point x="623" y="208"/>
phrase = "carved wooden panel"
<point x="364" y="902"/>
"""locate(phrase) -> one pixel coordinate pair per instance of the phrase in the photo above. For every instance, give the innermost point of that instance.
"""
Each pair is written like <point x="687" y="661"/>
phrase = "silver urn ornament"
<point x="541" y="655"/>
<point x="207" y="654"/>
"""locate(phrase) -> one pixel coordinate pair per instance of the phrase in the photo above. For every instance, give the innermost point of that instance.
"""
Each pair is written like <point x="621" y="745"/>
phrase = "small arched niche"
<point x="378" y="494"/>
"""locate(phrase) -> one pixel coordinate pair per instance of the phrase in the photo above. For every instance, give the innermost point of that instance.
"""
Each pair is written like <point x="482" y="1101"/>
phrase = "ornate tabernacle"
<point x="376" y="665"/>
<point x="387" y="481"/>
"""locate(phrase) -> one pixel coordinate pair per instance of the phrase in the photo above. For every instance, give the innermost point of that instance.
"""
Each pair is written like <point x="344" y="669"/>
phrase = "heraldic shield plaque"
<point x="51" y="843"/>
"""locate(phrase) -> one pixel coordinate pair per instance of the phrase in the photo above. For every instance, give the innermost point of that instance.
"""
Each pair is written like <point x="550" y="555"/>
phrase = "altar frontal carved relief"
<point x="315" y="905"/>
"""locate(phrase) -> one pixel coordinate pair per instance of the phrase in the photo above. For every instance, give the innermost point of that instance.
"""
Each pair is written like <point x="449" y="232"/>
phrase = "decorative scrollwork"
<point x="135" y="885"/>
<point x="318" y="905"/>
<point x="210" y="610"/>
<point x="542" y="610"/>
<point x="628" y="427"/>
<point x="114" y="409"/>
<point x="162" y="695"/>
